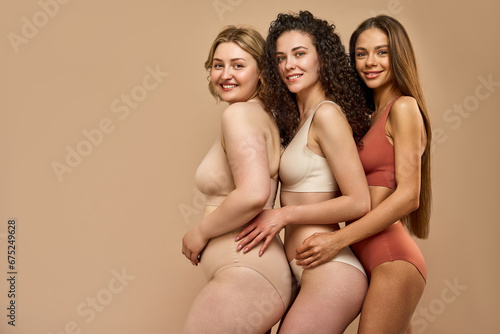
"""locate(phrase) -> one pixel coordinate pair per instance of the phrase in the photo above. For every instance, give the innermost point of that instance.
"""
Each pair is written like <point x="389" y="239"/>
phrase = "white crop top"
<point x="301" y="170"/>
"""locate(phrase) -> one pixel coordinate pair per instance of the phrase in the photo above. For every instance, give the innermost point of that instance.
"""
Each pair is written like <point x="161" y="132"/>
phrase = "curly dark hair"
<point x="336" y="75"/>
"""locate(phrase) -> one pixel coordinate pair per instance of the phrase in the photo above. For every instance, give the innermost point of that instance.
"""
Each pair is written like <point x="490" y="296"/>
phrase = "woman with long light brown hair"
<point x="395" y="154"/>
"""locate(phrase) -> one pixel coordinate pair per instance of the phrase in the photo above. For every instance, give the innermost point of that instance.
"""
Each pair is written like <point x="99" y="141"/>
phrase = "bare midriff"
<point x="295" y="234"/>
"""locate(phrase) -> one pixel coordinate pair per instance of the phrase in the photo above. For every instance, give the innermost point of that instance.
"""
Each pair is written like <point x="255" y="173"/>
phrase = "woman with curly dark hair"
<point x="313" y="92"/>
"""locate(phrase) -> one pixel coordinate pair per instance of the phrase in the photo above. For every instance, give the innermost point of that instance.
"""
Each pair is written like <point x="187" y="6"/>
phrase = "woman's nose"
<point x="227" y="74"/>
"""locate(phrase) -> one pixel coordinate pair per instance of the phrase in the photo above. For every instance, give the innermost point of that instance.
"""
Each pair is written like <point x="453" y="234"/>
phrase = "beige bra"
<point x="215" y="179"/>
<point x="301" y="170"/>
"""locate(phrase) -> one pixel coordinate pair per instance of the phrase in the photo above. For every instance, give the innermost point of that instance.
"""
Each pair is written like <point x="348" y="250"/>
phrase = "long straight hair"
<point x="404" y="67"/>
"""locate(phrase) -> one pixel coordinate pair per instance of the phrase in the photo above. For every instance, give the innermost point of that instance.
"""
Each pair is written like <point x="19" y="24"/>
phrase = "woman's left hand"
<point x="263" y="227"/>
<point x="317" y="249"/>
<point x="193" y="244"/>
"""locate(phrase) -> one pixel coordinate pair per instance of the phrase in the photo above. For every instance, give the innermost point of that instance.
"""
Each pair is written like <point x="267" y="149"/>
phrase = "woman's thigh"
<point x="330" y="298"/>
<point x="221" y="254"/>
<point x="236" y="300"/>
<point x="394" y="292"/>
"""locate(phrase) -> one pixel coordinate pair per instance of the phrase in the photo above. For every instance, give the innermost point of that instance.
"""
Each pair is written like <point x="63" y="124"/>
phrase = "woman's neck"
<point x="306" y="101"/>
<point x="254" y="99"/>
<point x="385" y="95"/>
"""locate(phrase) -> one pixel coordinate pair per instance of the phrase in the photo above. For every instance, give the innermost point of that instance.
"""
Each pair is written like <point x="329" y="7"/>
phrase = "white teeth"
<point x="294" y="77"/>
<point x="228" y="86"/>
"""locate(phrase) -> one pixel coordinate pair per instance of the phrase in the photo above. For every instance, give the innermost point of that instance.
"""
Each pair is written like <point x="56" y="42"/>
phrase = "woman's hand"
<point x="193" y="244"/>
<point x="264" y="226"/>
<point x="319" y="248"/>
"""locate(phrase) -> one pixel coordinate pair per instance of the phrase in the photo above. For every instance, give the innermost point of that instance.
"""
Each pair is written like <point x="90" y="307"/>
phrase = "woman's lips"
<point x="372" y="75"/>
<point x="293" y="77"/>
<point x="227" y="86"/>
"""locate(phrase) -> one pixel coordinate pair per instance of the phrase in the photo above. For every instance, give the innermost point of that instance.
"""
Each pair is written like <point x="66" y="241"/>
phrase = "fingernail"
<point x="245" y="250"/>
<point x="260" y="253"/>
<point x="237" y="238"/>
<point x="239" y="247"/>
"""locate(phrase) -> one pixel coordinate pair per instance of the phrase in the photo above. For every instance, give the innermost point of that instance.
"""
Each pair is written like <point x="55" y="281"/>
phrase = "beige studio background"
<point x="105" y="116"/>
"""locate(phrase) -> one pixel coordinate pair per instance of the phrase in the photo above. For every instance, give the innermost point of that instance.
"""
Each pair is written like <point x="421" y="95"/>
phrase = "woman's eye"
<point x="382" y="52"/>
<point x="238" y="66"/>
<point x="360" y="54"/>
<point x="300" y="54"/>
<point x="217" y="66"/>
<point x="280" y="59"/>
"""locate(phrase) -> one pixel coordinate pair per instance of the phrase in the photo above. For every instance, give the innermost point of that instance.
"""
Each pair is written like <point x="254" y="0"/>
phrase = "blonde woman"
<point x="245" y="293"/>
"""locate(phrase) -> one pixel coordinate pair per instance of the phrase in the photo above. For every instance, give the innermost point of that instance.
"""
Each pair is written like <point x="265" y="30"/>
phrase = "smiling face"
<point x="234" y="73"/>
<point x="372" y="58"/>
<point x="298" y="61"/>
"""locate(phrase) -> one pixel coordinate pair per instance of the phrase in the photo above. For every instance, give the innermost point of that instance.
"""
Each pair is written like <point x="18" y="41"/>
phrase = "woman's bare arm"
<point x="406" y="128"/>
<point x="333" y="138"/>
<point x="243" y="129"/>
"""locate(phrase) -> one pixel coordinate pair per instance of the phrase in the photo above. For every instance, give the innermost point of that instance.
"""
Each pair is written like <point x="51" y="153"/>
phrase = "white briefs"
<point x="345" y="255"/>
